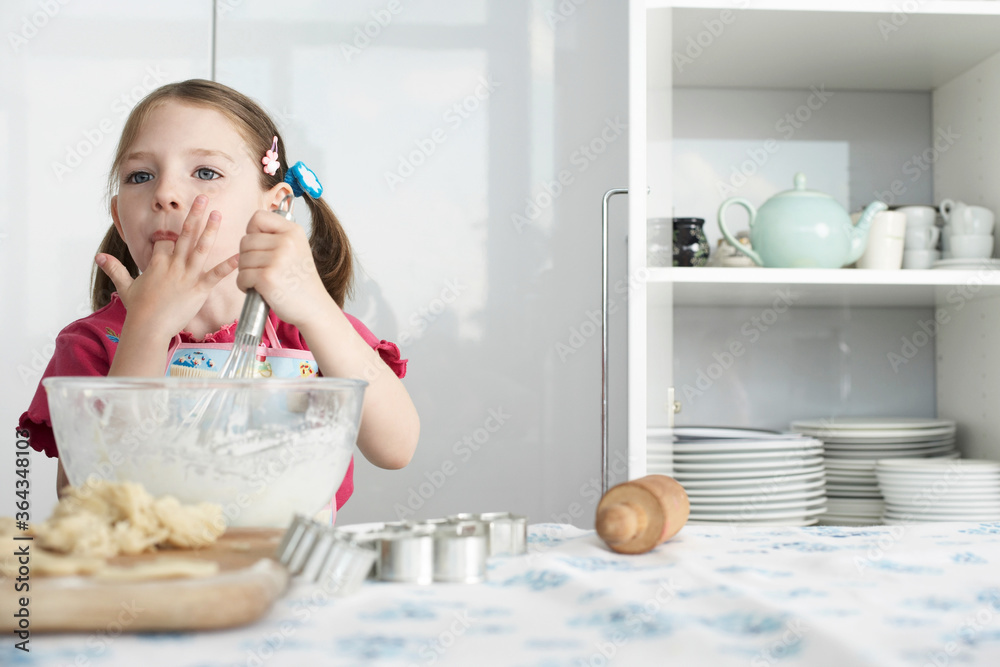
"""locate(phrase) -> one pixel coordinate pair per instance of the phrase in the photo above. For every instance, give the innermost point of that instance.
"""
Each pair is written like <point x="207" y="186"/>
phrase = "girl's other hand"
<point x="276" y="260"/>
<point x="175" y="285"/>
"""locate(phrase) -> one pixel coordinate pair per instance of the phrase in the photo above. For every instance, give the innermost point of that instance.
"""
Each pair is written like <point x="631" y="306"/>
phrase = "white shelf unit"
<point x="709" y="286"/>
<point x="946" y="49"/>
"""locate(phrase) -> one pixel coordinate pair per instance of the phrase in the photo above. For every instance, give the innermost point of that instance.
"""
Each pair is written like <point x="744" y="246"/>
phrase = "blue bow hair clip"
<point x="303" y="179"/>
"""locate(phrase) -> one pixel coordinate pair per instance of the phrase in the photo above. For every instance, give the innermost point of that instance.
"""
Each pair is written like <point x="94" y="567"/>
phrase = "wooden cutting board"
<point x="247" y="584"/>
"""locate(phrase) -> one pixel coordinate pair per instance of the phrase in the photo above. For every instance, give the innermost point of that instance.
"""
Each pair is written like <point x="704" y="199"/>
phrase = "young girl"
<point x="198" y="172"/>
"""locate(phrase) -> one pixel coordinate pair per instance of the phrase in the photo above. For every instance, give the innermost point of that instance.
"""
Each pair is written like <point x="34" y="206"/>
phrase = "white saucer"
<point x="759" y="516"/>
<point x="863" y="450"/>
<point x="801" y="498"/>
<point x="936" y="466"/>
<point x="709" y="432"/>
<point x="733" y="466"/>
<point x="964" y="263"/>
<point x="738" y="456"/>
<point x="784" y="523"/>
<point x="882" y="436"/>
<point x="757" y="480"/>
<point x="761" y="445"/>
<point x="682" y="476"/>
<point x="774" y="491"/>
<point x="751" y="507"/>
<point x="914" y="518"/>
<point x="943" y="452"/>
<point x="869" y="423"/>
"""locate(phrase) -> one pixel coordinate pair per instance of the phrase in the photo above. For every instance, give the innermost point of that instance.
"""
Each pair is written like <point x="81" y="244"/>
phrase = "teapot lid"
<point x="799" y="189"/>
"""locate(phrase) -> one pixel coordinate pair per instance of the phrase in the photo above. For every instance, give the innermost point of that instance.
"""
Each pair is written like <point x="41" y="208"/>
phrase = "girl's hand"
<point x="175" y="285"/>
<point x="276" y="260"/>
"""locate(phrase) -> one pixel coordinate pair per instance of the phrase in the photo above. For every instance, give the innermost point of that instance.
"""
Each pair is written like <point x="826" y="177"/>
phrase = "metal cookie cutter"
<point x="339" y="561"/>
<point x="460" y="551"/>
<point x="452" y="550"/>
<point x="405" y="553"/>
<point x="507" y="533"/>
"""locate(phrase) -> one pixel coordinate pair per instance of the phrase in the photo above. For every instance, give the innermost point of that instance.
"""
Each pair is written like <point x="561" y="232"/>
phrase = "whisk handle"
<point x="253" y="316"/>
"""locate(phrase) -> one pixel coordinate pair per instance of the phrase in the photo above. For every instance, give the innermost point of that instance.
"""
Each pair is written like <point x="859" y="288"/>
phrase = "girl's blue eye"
<point x="137" y="177"/>
<point x="207" y="174"/>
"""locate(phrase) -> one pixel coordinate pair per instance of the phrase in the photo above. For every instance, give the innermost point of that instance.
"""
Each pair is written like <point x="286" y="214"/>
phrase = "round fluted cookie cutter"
<point x="452" y="549"/>
<point x="338" y="561"/>
<point x="460" y="552"/>
<point x="507" y="533"/>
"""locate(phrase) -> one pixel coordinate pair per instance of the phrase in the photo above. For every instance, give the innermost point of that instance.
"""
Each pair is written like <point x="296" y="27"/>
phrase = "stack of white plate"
<point x="853" y="445"/>
<point x="927" y="490"/>
<point x="743" y="476"/>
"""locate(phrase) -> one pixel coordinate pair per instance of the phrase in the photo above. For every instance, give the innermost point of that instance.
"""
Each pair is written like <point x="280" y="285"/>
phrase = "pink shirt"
<point x="86" y="348"/>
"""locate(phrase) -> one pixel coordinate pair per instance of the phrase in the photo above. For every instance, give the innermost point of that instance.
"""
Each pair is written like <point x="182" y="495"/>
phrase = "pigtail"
<point x="101" y="285"/>
<point x="331" y="251"/>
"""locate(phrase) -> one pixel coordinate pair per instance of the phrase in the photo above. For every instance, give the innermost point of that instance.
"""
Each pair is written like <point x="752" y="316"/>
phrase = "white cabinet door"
<point x="466" y="147"/>
<point x="70" y="74"/>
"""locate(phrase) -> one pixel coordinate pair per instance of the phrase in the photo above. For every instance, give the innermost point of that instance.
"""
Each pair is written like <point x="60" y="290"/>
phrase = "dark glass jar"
<point x="690" y="243"/>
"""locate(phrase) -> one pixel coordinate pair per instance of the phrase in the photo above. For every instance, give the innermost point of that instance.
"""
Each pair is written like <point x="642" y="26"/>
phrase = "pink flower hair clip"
<point x="270" y="159"/>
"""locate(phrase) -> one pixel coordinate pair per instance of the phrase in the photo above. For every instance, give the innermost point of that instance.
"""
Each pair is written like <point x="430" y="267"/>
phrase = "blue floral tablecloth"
<point x="924" y="595"/>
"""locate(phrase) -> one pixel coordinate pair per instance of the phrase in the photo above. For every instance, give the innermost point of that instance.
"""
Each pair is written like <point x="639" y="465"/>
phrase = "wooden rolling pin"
<point x="634" y="517"/>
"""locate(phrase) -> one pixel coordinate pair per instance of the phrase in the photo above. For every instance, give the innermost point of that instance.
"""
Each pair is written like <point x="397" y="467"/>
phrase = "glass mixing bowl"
<point x="264" y="450"/>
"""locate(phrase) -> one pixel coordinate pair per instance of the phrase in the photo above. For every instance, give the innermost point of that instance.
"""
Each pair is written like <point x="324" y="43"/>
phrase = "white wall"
<point x="480" y="300"/>
<point x="68" y="80"/>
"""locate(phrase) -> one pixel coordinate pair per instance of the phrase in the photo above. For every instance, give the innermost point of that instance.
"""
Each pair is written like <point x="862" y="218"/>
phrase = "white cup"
<point x="885" y="242"/>
<point x="971" y="246"/>
<point x="921" y="238"/>
<point x="918" y="216"/>
<point x="967" y="219"/>
<point x="920" y="259"/>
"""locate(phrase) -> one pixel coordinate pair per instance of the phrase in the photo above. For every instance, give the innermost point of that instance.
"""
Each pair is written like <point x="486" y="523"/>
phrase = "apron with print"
<point x="206" y="360"/>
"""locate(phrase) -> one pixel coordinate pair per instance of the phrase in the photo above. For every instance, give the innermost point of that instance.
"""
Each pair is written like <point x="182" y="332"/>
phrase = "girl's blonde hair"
<point x="330" y="247"/>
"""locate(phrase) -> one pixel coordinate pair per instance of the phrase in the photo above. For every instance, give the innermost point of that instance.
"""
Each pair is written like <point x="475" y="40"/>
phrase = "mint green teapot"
<point x="802" y="228"/>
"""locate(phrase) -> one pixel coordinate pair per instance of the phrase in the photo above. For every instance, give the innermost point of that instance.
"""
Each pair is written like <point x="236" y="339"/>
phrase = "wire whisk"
<point x="231" y="405"/>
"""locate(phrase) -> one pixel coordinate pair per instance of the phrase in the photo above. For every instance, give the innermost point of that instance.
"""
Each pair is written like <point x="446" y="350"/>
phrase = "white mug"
<point x="921" y="238"/>
<point x="885" y="242"/>
<point x="966" y="219"/>
<point x="918" y="216"/>
<point x="971" y="246"/>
